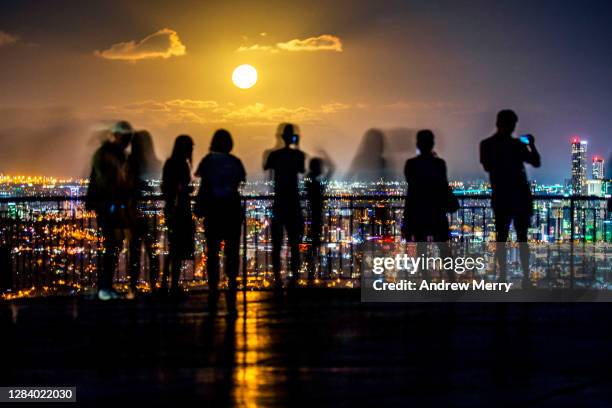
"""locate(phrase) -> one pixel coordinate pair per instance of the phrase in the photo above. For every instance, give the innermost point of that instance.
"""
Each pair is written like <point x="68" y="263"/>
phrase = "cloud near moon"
<point x="164" y="43"/>
<point x="7" y="39"/>
<point x="325" y="42"/>
<point x="212" y="112"/>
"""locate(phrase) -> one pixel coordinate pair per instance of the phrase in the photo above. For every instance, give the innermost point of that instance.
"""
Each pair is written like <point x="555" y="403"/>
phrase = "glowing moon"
<point x="244" y="76"/>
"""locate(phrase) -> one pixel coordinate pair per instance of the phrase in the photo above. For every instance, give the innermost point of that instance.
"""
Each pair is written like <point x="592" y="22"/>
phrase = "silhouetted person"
<point x="108" y="195"/>
<point x="369" y="163"/>
<point x="286" y="163"/>
<point x="502" y="156"/>
<point x="143" y="166"/>
<point x="429" y="197"/>
<point x="315" y="191"/>
<point x="176" y="189"/>
<point x="219" y="203"/>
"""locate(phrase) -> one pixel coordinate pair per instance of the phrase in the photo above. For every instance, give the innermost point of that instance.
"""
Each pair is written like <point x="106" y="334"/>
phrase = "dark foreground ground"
<point x="314" y="348"/>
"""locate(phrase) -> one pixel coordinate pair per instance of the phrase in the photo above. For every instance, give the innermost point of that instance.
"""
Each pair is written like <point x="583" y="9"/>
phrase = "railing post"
<point x="244" y="246"/>
<point x="572" y="236"/>
<point x="351" y="206"/>
<point x="572" y="224"/>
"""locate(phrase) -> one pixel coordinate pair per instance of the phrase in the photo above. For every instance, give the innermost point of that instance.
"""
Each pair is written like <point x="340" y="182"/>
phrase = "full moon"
<point x="244" y="76"/>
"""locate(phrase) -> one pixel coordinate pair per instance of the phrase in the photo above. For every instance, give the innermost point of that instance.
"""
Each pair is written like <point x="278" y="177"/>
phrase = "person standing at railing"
<point x="218" y="201"/>
<point x="503" y="157"/>
<point x="315" y="190"/>
<point x="286" y="163"/>
<point x="429" y="198"/>
<point x="107" y="195"/>
<point x="142" y="166"/>
<point x="176" y="190"/>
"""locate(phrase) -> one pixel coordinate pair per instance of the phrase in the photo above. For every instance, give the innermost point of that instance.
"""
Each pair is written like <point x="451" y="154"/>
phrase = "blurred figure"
<point x="502" y="156"/>
<point x="369" y="164"/>
<point x="108" y="195"/>
<point x="218" y="201"/>
<point x="315" y="191"/>
<point x="143" y="166"/>
<point x="176" y="189"/>
<point x="278" y="141"/>
<point x="429" y="197"/>
<point x="286" y="163"/>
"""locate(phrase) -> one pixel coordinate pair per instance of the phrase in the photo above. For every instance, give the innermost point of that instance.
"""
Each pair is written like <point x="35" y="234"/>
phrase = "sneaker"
<point x="104" y="295"/>
<point x="527" y="284"/>
<point x="131" y="295"/>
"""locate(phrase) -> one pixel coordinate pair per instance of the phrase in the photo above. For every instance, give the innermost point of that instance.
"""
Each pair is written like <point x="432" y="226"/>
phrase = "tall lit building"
<point x="579" y="166"/>
<point x="597" y="170"/>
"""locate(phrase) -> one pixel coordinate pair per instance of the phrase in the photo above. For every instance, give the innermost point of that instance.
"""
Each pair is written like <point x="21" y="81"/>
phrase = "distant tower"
<point x="597" y="171"/>
<point x="579" y="165"/>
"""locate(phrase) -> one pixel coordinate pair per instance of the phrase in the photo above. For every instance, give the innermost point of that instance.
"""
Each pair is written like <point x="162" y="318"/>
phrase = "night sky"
<point x="338" y="69"/>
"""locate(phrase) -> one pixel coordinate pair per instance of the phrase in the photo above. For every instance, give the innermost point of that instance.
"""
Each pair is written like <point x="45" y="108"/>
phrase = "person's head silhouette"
<point x="506" y="121"/>
<point x="183" y="148"/>
<point x="142" y="157"/>
<point x="289" y="135"/>
<point x="122" y="133"/>
<point x="221" y="142"/>
<point x="316" y="167"/>
<point x="425" y="141"/>
<point x="142" y="145"/>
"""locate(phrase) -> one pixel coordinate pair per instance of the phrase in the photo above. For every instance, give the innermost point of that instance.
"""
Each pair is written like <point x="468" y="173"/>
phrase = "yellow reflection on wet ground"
<point x="256" y="382"/>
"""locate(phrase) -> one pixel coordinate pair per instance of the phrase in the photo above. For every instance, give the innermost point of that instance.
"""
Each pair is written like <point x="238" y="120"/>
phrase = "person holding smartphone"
<point x="503" y="157"/>
<point x="286" y="163"/>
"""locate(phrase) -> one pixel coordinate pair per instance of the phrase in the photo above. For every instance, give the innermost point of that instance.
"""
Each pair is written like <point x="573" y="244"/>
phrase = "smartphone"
<point x="524" y="139"/>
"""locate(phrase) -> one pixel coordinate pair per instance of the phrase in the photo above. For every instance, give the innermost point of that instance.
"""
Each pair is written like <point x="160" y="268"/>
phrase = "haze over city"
<point x="71" y="69"/>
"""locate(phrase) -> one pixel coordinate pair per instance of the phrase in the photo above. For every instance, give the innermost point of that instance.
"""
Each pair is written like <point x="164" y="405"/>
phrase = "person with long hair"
<point x="142" y="166"/>
<point x="218" y="201"/>
<point x="176" y="190"/>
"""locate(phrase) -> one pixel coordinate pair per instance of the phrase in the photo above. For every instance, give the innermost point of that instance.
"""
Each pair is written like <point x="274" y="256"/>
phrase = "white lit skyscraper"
<point x="579" y="166"/>
<point x="597" y="170"/>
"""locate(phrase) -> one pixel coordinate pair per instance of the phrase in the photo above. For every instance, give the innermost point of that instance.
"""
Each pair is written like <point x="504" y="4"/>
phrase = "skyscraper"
<point x="579" y="165"/>
<point x="597" y="170"/>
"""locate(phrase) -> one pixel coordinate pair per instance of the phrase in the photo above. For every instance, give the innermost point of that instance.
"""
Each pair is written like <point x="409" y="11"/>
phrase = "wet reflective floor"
<point x="311" y="348"/>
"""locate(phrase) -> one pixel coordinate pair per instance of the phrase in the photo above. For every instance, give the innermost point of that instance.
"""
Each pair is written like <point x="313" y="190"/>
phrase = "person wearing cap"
<point x="286" y="163"/>
<point x="107" y="196"/>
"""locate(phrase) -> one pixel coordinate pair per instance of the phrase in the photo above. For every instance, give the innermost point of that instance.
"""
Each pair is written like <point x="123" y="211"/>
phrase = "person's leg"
<point x="521" y="225"/>
<point x="315" y="248"/>
<point x="442" y="236"/>
<point x="212" y="266"/>
<point x="175" y="261"/>
<point x="277" y="243"/>
<point x="175" y="272"/>
<point x="109" y="259"/>
<point x="232" y="257"/>
<point x="445" y="252"/>
<point x="502" y="227"/>
<point x="294" y="232"/>
<point x="134" y="253"/>
<point x="150" y="238"/>
<point x="421" y="250"/>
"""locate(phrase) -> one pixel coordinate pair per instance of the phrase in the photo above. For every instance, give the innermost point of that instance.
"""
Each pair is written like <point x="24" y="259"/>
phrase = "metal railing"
<point x="48" y="243"/>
